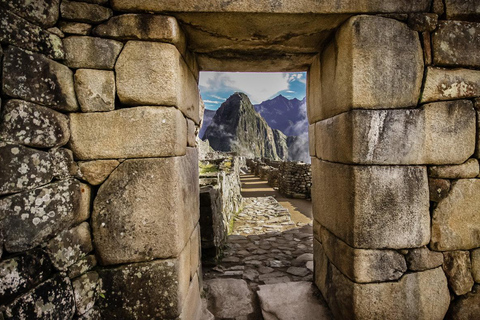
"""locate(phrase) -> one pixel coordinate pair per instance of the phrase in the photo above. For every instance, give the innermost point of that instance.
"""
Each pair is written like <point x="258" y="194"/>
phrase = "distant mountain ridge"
<point x="207" y="119"/>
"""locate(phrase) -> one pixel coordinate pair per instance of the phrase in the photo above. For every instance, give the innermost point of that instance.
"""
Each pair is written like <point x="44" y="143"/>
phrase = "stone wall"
<point x="220" y="200"/>
<point x="97" y="142"/>
<point x="395" y="161"/>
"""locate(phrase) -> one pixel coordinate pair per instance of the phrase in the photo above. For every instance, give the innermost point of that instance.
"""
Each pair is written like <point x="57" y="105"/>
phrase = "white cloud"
<point x="258" y="86"/>
<point x="212" y="101"/>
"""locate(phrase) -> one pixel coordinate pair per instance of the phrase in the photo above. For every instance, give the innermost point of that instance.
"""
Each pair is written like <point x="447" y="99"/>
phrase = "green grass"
<point x="207" y="168"/>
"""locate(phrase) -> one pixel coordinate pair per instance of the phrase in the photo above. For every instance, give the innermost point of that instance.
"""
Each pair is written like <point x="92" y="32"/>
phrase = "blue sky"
<point x="216" y="87"/>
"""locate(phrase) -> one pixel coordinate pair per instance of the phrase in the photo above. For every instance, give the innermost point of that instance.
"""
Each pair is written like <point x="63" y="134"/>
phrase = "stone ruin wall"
<point x="98" y="212"/>
<point x="396" y="181"/>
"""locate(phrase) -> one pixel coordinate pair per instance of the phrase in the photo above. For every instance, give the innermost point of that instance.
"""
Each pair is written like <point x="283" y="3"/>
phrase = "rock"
<point x="206" y="314"/>
<point x="143" y="27"/>
<point x="264" y="270"/>
<point x="97" y="171"/>
<point x="81" y="266"/>
<point x="150" y="73"/>
<point x="468" y="169"/>
<point x="250" y="275"/>
<point x="298" y="271"/>
<point x="438" y="189"/>
<point x="95" y="90"/>
<point x="229" y="298"/>
<point x="21" y="33"/>
<point x="64" y="165"/>
<point x="458" y="269"/>
<point x="191" y="133"/>
<point x="466" y="307"/>
<point x="462" y="10"/>
<point x="438" y="7"/>
<point x="85" y="291"/>
<point x="195" y="251"/>
<point x="423" y="22"/>
<point x="421" y="259"/>
<point x="457" y="43"/>
<point x="455" y="221"/>
<point x="56" y="31"/>
<point x="301" y="260"/>
<point x="475" y="256"/>
<point x="77" y="28"/>
<point x="192" y="308"/>
<point x="128" y="230"/>
<point x="450" y="84"/>
<point x="311" y="140"/>
<point x="84" y="12"/>
<point x="41" y="12"/>
<point x="33" y="125"/>
<point x="156" y="289"/>
<point x="310" y="266"/>
<point x="91" y="53"/>
<point x="35" y="78"/>
<point x="70" y="246"/>
<point x="21" y="273"/>
<point x="373" y="63"/>
<point x="92" y="314"/>
<point x="23" y="168"/>
<point x="308" y="304"/>
<point x="436" y="133"/>
<point x="32" y="217"/>
<point x="372" y="207"/>
<point x="92" y="132"/>
<point x="52" y="299"/>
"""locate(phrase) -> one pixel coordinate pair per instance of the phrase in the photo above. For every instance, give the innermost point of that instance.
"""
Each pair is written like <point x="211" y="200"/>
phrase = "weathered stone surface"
<point x="192" y="307"/>
<point x="78" y="28"/>
<point x="92" y="314"/>
<point x="84" y="12"/>
<point x="457" y="43"/>
<point x="423" y="22"/>
<point x="19" y="32"/>
<point x="311" y="139"/>
<point x="52" y="299"/>
<point x="90" y="52"/>
<point x="81" y="266"/>
<point x="150" y="73"/>
<point x="33" y="125"/>
<point x="35" y="78"/>
<point x="373" y="63"/>
<point x="23" y="272"/>
<point x="423" y="259"/>
<point x="363" y="266"/>
<point x="229" y="298"/>
<point x="468" y="169"/>
<point x="143" y="27"/>
<point x="85" y="292"/>
<point x="23" y="168"/>
<point x="372" y="207"/>
<point x="445" y="84"/>
<point x="466" y="307"/>
<point x="274" y="300"/>
<point x="436" y="133"/>
<point x="128" y="230"/>
<point x="95" y="90"/>
<point x="458" y="269"/>
<point x="455" y="221"/>
<point x="462" y="10"/>
<point x="42" y="12"/>
<point x="475" y="256"/>
<point x="155" y="289"/>
<point x="191" y="133"/>
<point x="64" y="164"/>
<point x="96" y="172"/>
<point x="314" y="91"/>
<point x="32" y="217"/>
<point x="128" y="133"/>
<point x="195" y="251"/>
<point x="438" y="188"/>
<point x="56" y="31"/>
<point x="70" y="246"/>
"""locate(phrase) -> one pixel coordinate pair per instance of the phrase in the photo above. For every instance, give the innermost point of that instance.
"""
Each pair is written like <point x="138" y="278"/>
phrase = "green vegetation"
<point x="207" y="168"/>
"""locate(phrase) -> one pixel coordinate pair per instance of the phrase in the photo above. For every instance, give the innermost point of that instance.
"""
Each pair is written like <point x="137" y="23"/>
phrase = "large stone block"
<point x="35" y="78"/>
<point x="42" y="12"/>
<point x="146" y="290"/>
<point x="33" y="125"/>
<point x="311" y="140"/>
<point x="475" y="256"/>
<point x="458" y="268"/>
<point x="32" y="217"/>
<point x="372" y="207"/>
<point x="76" y="28"/>
<point x="95" y="90"/>
<point x="450" y="84"/>
<point x="21" y="273"/>
<point x="360" y="265"/>
<point x="128" y="133"/>
<point x="132" y="223"/>
<point x="19" y="32"/>
<point x="462" y="10"/>
<point x="455" y="221"/>
<point x="229" y="298"/>
<point x="437" y="133"/>
<point x="85" y="291"/>
<point x="96" y="172"/>
<point x="420" y="259"/>
<point x="52" y="299"/>
<point x="90" y="52"/>
<point x="468" y="169"/>
<point x="457" y="43"/>
<point x="84" y="12"/>
<point x="466" y="307"/>
<point x="152" y="73"/>
<point x="192" y="307"/>
<point x="314" y="91"/>
<point x="372" y="63"/>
